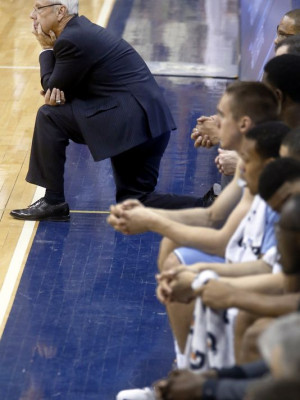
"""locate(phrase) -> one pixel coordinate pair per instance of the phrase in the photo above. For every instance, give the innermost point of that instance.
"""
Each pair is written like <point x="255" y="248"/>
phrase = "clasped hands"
<point x="182" y="385"/>
<point x="205" y="133"/>
<point x="174" y="285"/>
<point x="130" y="217"/>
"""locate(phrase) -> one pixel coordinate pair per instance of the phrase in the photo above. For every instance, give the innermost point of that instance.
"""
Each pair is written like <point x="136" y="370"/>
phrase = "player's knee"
<point x="250" y="348"/>
<point x="242" y="322"/>
<point x="170" y="262"/>
<point x="165" y="248"/>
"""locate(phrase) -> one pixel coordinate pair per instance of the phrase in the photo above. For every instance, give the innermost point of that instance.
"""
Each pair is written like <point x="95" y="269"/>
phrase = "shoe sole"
<point x="51" y="219"/>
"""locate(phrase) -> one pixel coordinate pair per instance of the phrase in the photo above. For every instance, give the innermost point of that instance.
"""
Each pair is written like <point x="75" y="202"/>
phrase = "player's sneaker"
<point x="136" y="394"/>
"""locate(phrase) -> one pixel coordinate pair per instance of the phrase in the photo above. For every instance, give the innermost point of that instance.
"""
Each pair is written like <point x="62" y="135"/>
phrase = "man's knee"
<point x="165" y="249"/>
<point x="243" y="321"/>
<point x="249" y="343"/>
<point x="170" y="262"/>
<point x="43" y="111"/>
<point x="44" y="124"/>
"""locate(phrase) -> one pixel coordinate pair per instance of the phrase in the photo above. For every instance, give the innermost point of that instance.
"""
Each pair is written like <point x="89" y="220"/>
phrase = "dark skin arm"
<point x="220" y="295"/>
<point x="182" y="385"/>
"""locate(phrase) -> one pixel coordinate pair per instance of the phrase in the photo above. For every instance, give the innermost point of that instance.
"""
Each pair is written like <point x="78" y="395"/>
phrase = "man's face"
<point x="229" y="133"/>
<point x="277" y="92"/>
<point x="285" y="29"/>
<point x="252" y="164"/>
<point x="266" y="81"/>
<point x="44" y="14"/>
<point x="282" y="194"/>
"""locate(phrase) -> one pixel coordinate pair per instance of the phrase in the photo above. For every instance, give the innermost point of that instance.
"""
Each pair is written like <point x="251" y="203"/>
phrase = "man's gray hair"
<point x="285" y="334"/>
<point x="72" y="5"/>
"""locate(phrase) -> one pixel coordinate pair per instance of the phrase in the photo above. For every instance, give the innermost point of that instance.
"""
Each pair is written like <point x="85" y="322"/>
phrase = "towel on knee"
<point x="210" y="340"/>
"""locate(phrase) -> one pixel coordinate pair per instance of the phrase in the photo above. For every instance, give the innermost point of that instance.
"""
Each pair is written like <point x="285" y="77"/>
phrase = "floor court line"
<point x="8" y="288"/>
<point x="88" y="212"/>
<point x="29" y="67"/>
<point x="15" y="265"/>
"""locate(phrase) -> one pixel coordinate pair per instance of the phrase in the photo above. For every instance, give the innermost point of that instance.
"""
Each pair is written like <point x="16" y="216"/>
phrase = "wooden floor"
<point x="19" y="101"/>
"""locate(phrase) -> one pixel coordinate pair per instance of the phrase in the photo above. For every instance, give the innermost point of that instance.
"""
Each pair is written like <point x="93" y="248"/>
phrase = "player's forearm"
<point x="190" y="216"/>
<point x="272" y="284"/>
<point x="241" y="269"/>
<point x="205" y="239"/>
<point x="266" y="305"/>
<point x="213" y="216"/>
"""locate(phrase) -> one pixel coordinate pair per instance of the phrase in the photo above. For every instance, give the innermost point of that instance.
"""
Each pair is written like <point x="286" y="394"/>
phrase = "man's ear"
<point x="279" y="95"/>
<point x="61" y="12"/>
<point x="281" y="99"/>
<point x="245" y="123"/>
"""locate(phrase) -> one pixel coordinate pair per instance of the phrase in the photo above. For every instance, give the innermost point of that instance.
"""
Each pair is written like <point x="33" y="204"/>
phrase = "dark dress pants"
<point x="54" y="127"/>
<point x="135" y="170"/>
<point x="136" y="174"/>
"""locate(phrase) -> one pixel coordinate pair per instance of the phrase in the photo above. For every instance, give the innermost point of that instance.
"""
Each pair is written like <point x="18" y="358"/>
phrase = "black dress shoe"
<point x="211" y="195"/>
<point x="42" y="211"/>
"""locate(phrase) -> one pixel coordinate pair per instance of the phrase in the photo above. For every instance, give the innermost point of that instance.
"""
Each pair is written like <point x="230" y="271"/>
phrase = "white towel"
<point x="210" y="341"/>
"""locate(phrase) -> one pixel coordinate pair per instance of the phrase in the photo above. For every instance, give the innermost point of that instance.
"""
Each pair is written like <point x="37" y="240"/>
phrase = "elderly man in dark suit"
<point x="98" y="91"/>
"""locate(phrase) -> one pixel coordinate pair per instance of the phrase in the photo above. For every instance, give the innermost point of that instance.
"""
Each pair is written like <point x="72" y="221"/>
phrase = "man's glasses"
<point x="37" y="9"/>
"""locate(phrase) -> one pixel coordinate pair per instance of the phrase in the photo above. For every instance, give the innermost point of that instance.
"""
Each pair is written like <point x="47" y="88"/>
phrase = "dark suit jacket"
<point x="115" y="99"/>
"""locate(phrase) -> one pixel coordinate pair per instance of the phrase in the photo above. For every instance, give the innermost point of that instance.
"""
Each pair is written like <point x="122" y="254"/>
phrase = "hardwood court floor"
<point x="19" y="101"/>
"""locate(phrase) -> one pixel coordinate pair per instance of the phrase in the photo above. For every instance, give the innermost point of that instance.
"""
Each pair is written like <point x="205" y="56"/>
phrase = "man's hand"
<point x="205" y="133"/>
<point x="180" y="385"/>
<point x="175" y="285"/>
<point x="226" y="161"/>
<point x="163" y="290"/>
<point x="200" y="267"/>
<point x="131" y="203"/>
<point x="46" y="40"/>
<point x="217" y="295"/>
<point x="130" y="221"/>
<point x="46" y="351"/>
<point x="55" y="97"/>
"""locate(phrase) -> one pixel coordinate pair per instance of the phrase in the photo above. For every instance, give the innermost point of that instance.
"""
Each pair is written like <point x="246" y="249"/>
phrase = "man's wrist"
<point x="150" y="222"/>
<point x="233" y="299"/>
